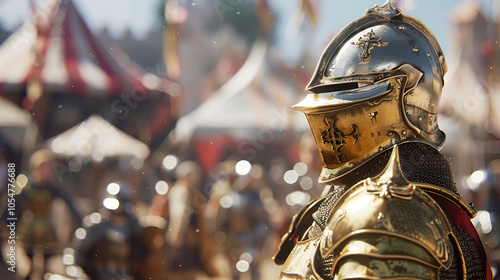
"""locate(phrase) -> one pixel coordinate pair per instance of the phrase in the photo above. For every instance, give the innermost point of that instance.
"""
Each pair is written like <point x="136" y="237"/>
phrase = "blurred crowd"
<point x="109" y="221"/>
<point x="483" y="188"/>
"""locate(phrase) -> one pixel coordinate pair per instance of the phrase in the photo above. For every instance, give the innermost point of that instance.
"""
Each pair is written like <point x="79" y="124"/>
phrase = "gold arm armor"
<point x="299" y="225"/>
<point x="382" y="227"/>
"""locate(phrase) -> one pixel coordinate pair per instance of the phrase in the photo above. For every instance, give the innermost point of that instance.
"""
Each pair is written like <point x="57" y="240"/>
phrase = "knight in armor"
<point x="483" y="187"/>
<point x="393" y="210"/>
<point x="242" y="224"/>
<point x="38" y="230"/>
<point x="113" y="247"/>
<point x="191" y="251"/>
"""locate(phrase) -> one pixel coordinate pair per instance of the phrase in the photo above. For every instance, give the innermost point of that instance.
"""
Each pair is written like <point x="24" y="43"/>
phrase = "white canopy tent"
<point x="17" y="128"/>
<point x="255" y="98"/>
<point x="96" y="139"/>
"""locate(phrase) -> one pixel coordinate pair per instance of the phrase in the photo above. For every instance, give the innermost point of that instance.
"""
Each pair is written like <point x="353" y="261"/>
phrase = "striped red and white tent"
<point x="56" y="54"/>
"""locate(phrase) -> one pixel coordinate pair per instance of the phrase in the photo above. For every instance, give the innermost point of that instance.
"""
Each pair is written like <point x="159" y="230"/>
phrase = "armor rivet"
<point x="428" y="54"/>
<point x="393" y="126"/>
<point x="401" y="27"/>
<point x="415" y="49"/>
<point x="420" y="118"/>
<point x="367" y="182"/>
<point x="404" y="132"/>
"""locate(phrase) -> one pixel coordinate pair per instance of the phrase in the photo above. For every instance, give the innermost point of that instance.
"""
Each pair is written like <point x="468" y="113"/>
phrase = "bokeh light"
<point x="170" y="162"/>
<point x="300" y="168"/>
<point x="161" y="187"/>
<point x="111" y="203"/>
<point x="291" y="177"/>
<point x="80" y="233"/>
<point x="475" y="179"/>
<point x="243" y="167"/>
<point x="113" y="188"/>
<point x="242" y="266"/>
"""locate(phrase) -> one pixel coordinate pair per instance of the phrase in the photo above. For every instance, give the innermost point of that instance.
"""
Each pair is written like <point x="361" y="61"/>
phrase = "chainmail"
<point x="473" y="259"/>
<point x="420" y="163"/>
<point x="321" y="215"/>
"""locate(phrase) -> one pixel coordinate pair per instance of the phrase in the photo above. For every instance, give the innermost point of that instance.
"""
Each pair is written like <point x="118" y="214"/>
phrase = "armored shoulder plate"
<point x="387" y="227"/>
<point x="383" y="227"/>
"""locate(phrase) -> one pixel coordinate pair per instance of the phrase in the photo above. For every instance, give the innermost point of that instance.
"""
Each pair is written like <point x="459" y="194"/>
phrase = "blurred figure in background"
<point x="191" y="252"/>
<point x="40" y="231"/>
<point x="112" y="247"/>
<point x="484" y="189"/>
<point x="239" y="208"/>
<point x="6" y="158"/>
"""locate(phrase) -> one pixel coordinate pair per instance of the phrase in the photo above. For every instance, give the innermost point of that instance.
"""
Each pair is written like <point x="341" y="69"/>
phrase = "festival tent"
<point x="96" y="139"/>
<point x="255" y="98"/>
<point x="250" y="111"/>
<point x="17" y="131"/>
<point x="54" y="67"/>
<point x="91" y="154"/>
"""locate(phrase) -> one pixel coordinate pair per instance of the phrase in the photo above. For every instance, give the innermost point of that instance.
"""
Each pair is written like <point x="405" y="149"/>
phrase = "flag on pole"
<point x="174" y="16"/>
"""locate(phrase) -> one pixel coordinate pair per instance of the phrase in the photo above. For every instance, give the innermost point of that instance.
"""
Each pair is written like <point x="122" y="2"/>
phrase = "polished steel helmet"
<point x="377" y="84"/>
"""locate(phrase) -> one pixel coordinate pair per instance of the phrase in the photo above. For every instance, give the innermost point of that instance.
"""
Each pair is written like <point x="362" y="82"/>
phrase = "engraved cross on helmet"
<point x="367" y="43"/>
